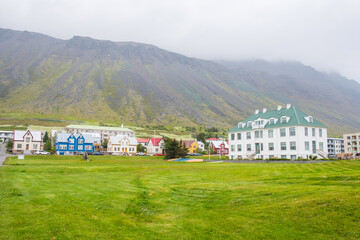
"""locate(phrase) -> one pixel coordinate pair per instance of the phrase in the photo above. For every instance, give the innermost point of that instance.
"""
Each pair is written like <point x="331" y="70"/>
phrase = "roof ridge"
<point x="297" y="118"/>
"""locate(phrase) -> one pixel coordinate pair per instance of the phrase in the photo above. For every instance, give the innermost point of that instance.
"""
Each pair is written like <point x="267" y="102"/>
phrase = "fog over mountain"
<point x="83" y="78"/>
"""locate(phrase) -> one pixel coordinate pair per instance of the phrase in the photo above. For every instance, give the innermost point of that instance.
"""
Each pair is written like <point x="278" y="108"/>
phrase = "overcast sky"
<point x="322" y="33"/>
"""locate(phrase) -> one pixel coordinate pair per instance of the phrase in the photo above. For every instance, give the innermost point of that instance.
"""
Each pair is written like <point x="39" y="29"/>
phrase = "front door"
<point x="257" y="148"/>
<point x="27" y="146"/>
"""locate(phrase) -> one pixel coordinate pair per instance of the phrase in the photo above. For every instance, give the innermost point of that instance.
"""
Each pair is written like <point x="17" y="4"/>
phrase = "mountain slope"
<point x="135" y="83"/>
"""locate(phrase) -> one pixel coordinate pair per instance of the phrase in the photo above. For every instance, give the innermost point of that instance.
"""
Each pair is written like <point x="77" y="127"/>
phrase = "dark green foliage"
<point x="140" y="148"/>
<point x="46" y="137"/>
<point x="9" y="144"/>
<point x="105" y="143"/>
<point x="47" y="145"/>
<point x="174" y="149"/>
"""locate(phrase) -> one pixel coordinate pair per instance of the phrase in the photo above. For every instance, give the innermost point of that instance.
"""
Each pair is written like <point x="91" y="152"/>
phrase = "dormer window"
<point x="311" y="119"/>
<point x="272" y="121"/>
<point x="283" y="119"/>
<point x="81" y="141"/>
<point x="249" y="124"/>
<point x="240" y="125"/>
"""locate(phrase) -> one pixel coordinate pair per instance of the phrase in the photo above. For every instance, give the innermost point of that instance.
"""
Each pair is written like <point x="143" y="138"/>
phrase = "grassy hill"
<point x="112" y="197"/>
<point x="139" y="84"/>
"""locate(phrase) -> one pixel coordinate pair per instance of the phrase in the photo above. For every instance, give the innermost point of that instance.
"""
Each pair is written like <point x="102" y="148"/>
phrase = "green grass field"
<point x="52" y="197"/>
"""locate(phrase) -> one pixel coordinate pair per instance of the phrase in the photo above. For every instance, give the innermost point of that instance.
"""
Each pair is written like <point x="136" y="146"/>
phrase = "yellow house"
<point x="191" y="145"/>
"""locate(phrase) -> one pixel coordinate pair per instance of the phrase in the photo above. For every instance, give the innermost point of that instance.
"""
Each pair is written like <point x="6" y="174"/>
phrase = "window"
<point x="293" y="157"/>
<point x="292" y="131"/>
<point x="306" y="131"/>
<point x="248" y="135"/>
<point x="71" y="140"/>
<point x="321" y="146"/>
<point x="271" y="146"/>
<point x="282" y="132"/>
<point x="283" y="120"/>
<point x="232" y="148"/>
<point x="81" y="141"/>
<point x="259" y="134"/>
<point x="283" y="146"/>
<point x="248" y="147"/>
<point x="27" y="139"/>
<point x="239" y="148"/>
<point x="232" y="136"/>
<point x="348" y="137"/>
<point x="311" y="119"/>
<point x="283" y="156"/>
<point x="313" y="132"/>
<point x="271" y="133"/>
<point x="307" y="145"/>
<point x="272" y="121"/>
<point x="248" y="124"/>
<point x="239" y="136"/>
<point x="80" y="147"/>
<point x="71" y="147"/>
<point x="293" y="145"/>
<point x="34" y="146"/>
<point x="62" y="147"/>
<point x="320" y="132"/>
<point x="19" y="146"/>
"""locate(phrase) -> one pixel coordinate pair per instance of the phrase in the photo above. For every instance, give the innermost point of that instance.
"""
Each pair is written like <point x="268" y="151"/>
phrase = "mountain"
<point x="140" y="84"/>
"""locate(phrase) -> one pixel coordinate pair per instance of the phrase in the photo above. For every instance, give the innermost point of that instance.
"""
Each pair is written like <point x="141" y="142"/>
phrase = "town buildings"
<point x="352" y="143"/>
<point x="220" y="147"/>
<point x="105" y="132"/>
<point x="282" y="133"/>
<point x="6" y="135"/>
<point x="335" y="147"/>
<point x="70" y="144"/>
<point x="191" y="145"/>
<point x="122" y="144"/>
<point x="27" y="142"/>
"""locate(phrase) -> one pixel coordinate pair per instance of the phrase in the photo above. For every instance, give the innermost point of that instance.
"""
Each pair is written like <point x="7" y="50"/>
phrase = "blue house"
<point x="70" y="144"/>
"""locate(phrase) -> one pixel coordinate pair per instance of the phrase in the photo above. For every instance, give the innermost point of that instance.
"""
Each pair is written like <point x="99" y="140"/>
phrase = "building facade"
<point x="71" y="144"/>
<point x="220" y="147"/>
<point x="352" y="143"/>
<point x="27" y="142"/>
<point x="191" y="145"/>
<point x="156" y="146"/>
<point x="122" y="144"/>
<point x="335" y="147"/>
<point x="6" y="135"/>
<point x="105" y="132"/>
<point x="282" y="133"/>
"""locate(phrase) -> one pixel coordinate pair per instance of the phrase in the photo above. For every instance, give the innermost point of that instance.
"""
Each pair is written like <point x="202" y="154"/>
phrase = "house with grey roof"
<point x="122" y="144"/>
<point x="283" y="133"/>
<point x="27" y="142"/>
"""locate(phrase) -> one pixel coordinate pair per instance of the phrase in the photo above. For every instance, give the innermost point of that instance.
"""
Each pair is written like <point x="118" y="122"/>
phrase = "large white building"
<point x="282" y="133"/>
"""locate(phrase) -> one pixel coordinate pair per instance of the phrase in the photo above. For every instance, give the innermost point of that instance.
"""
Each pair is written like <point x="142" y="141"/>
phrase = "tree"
<point x="46" y="137"/>
<point x="47" y="145"/>
<point x="141" y="148"/>
<point x="174" y="149"/>
<point x="104" y="144"/>
<point x="9" y="144"/>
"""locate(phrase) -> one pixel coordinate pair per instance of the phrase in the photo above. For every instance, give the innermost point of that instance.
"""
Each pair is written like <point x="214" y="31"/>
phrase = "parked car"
<point x="42" y="152"/>
<point x="97" y="153"/>
<point x="116" y="154"/>
<point x="192" y="154"/>
<point x="140" y="154"/>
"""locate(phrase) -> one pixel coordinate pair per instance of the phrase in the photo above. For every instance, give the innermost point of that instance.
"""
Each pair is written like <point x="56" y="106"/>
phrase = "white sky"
<point x="322" y="33"/>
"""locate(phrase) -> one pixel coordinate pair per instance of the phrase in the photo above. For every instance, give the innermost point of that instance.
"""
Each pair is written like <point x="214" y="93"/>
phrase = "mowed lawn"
<point x="63" y="197"/>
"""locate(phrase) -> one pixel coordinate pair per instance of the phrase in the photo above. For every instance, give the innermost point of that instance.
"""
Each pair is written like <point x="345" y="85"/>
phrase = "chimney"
<point x="264" y="110"/>
<point x="288" y="105"/>
<point x="279" y="107"/>
<point x="256" y="111"/>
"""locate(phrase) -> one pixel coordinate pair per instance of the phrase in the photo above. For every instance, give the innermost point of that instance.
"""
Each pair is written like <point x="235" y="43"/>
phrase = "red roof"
<point x="187" y="143"/>
<point x="212" y="139"/>
<point x="142" y="140"/>
<point x="155" y="141"/>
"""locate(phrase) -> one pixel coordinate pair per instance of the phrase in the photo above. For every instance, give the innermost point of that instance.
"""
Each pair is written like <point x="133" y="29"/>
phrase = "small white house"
<point x="122" y="144"/>
<point x="27" y="142"/>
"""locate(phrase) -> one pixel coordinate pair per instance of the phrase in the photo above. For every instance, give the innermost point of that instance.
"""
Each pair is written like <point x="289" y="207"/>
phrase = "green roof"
<point x="99" y="128"/>
<point x="297" y="118"/>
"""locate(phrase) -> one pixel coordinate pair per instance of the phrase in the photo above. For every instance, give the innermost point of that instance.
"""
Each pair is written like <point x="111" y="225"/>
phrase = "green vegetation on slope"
<point x="52" y="197"/>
